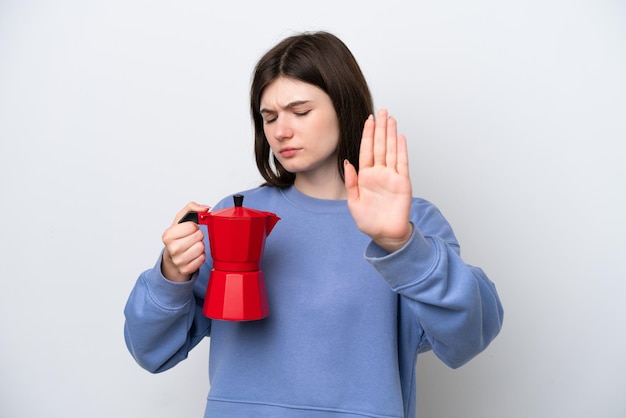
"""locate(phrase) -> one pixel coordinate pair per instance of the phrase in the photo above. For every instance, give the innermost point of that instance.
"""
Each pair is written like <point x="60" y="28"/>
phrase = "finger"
<point x="380" y="137"/>
<point x="190" y="260"/>
<point x="195" y="252"/>
<point x="194" y="265"/>
<point x="391" y="156"/>
<point x="366" y="156"/>
<point x="179" y="237"/>
<point x="403" y="156"/>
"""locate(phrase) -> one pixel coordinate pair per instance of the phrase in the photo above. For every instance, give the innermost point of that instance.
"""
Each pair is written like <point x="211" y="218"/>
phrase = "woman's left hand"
<point x="380" y="195"/>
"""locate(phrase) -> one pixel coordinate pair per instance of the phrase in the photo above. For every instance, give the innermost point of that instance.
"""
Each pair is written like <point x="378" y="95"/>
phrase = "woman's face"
<point x="301" y="126"/>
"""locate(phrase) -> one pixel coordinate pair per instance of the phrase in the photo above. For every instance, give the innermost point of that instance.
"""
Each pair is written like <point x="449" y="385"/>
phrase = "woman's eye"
<point x="269" y="120"/>
<point x="306" y="112"/>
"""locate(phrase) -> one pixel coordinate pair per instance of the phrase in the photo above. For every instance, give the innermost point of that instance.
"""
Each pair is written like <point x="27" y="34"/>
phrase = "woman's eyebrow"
<point x="296" y="104"/>
<point x="290" y="105"/>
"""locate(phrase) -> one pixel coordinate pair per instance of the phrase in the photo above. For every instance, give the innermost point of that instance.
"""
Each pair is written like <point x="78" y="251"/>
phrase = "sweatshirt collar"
<point x="300" y="200"/>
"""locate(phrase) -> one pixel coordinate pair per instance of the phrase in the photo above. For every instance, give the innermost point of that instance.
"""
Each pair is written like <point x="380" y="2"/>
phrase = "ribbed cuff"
<point x="166" y="293"/>
<point x="414" y="261"/>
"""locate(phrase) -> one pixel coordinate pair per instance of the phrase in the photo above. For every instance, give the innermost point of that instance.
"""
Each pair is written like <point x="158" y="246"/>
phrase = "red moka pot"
<point x="236" y="288"/>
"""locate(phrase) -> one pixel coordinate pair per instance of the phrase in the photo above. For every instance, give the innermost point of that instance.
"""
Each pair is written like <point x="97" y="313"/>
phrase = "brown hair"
<point x="323" y="60"/>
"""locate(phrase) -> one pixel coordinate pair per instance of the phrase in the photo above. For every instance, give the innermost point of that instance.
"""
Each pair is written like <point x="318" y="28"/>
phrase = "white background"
<point x="114" y="114"/>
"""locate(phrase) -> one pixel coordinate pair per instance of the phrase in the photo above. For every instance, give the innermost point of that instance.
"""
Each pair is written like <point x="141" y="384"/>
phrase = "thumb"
<point x="351" y="181"/>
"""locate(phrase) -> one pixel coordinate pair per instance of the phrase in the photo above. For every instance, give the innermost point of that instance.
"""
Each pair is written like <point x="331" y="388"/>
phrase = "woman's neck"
<point x="321" y="187"/>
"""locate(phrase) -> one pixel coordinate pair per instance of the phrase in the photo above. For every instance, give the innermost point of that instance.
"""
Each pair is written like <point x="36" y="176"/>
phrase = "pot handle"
<point x="189" y="216"/>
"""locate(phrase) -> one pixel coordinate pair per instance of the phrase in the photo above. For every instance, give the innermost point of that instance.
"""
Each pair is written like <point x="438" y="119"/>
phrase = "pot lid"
<point x="240" y="212"/>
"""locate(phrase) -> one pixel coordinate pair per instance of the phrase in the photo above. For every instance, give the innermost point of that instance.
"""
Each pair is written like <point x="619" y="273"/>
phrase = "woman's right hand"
<point x="184" y="247"/>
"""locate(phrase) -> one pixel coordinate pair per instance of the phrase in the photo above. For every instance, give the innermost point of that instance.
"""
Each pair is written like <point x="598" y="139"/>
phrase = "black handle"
<point x="189" y="216"/>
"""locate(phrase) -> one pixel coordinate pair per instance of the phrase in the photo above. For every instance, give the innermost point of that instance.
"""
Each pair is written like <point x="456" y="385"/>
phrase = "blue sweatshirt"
<point x="347" y="319"/>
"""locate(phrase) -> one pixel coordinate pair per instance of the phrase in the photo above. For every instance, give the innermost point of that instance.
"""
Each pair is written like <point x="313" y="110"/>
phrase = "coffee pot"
<point x="236" y="287"/>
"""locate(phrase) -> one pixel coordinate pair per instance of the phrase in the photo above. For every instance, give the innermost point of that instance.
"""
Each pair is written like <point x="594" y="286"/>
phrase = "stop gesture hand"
<point x="380" y="195"/>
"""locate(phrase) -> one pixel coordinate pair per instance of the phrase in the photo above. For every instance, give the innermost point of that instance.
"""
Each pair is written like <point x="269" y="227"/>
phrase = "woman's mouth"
<point x="289" y="152"/>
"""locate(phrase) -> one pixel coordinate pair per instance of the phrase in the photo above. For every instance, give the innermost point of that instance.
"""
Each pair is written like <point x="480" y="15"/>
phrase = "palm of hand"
<point x="379" y="197"/>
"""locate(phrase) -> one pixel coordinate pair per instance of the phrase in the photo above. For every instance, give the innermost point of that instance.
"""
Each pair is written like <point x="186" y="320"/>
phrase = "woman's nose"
<point x="282" y="129"/>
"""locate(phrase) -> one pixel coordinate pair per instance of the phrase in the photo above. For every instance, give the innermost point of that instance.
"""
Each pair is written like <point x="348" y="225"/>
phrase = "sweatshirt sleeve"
<point x="164" y="319"/>
<point x="454" y="308"/>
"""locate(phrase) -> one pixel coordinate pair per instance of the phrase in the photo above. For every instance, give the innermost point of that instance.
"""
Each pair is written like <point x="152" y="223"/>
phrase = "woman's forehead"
<point x="286" y="92"/>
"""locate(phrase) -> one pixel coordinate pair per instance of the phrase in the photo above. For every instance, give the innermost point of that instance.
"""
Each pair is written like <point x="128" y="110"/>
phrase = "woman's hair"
<point x="323" y="60"/>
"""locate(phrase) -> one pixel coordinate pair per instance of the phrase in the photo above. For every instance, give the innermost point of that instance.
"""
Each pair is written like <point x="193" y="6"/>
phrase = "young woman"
<point x="360" y="275"/>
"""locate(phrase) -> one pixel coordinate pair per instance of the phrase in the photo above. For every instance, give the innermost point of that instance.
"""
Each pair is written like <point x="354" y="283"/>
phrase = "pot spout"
<point x="272" y="219"/>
